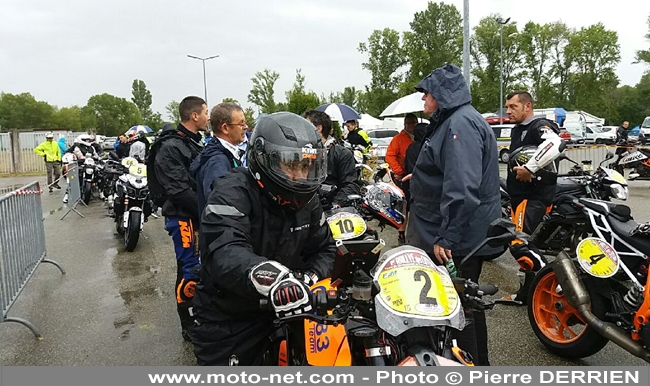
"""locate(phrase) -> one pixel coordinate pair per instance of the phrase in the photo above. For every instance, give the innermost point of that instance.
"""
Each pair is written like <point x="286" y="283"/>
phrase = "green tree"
<point x="560" y="64"/>
<point x="114" y="114"/>
<point x="250" y="119"/>
<point x="436" y="38"/>
<point x="594" y="52"/>
<point x="88" y="119"/>
<point x="23" y="111"/>
<point x="262" y="94"/>
<point x="141" y="97"/>
<point x="385" y="58"/>
<point x="173" y="112"/>
<point x="486" y="56"/>
<point x="643" y="56"/>
<point x="232" y="100"/>
<point x="67" y="118"/>
<point x="298" y="99"/>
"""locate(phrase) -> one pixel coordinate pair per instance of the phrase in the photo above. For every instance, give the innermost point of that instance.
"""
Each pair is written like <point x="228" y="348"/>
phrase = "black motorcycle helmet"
<point x="519" y="157"/>
<point x="287" y="158"/>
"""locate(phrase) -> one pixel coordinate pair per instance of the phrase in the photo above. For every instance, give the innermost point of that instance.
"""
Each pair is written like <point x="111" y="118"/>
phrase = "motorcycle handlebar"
<point x="488" y="289"/>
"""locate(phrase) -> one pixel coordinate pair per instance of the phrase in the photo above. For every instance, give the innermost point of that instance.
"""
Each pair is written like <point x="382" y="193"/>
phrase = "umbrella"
<point x="409" y="104"/>
<point x="139" y="129"/>
<point x="339" y="112"/>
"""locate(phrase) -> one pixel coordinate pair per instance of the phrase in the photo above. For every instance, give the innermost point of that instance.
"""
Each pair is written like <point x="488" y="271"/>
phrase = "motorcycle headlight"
<point x="619" y="191"/>
<point x="90" y="171"/>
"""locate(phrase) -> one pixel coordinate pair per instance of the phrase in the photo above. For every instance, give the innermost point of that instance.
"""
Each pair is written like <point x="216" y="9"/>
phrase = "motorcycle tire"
<point x="132" y="233"/>
<point x="87" y="192"/>
<point x="552" y="318"/>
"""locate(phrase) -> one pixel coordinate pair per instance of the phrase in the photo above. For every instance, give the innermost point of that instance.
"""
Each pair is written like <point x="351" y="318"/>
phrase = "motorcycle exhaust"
<point x="578" y="297"/>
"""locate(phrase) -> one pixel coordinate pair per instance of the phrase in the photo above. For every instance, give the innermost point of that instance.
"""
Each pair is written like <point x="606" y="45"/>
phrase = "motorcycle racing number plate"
<point x="138" y="170"/>
<point x="346" y="225"/>
<point x="411" y="284"/>
<point x="129" y="161"/>
<point x="598" y="258"/>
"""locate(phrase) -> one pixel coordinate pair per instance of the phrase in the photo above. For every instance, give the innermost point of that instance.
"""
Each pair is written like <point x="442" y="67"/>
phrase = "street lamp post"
<point x="502" y="23"/>
<point x="205" y="85"/>
<point x="466" y="63"/>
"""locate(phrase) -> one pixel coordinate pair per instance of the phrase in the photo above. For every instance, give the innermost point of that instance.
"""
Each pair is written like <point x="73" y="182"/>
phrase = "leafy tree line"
<point x="560" y="66"/>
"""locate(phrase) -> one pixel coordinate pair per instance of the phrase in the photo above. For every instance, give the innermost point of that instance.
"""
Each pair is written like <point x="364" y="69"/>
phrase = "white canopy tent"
<point x="368" y="122"/>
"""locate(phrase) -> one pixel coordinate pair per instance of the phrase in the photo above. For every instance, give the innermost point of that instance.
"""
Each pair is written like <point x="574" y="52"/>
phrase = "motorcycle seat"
<point x="618" y="211"/>
<point x="623" y="229"/>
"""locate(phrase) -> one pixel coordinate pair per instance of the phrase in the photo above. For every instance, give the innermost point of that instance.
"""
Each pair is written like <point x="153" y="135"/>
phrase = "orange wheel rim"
<point x="555" y="318"/>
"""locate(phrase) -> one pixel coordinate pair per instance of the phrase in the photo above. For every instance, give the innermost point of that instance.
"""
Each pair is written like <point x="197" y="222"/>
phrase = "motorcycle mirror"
<point x="500" y="232"/>
<point x="609" y="155"/>
<point x="113" y="155"/>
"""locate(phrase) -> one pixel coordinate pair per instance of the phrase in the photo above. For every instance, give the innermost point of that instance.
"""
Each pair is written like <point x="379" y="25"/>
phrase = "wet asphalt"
<point x="117" y="308"/>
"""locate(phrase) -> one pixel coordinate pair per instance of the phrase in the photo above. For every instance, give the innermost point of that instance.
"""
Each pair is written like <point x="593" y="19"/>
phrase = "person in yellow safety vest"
<point x="51" y="153"/>
<point x="357" y="136"/>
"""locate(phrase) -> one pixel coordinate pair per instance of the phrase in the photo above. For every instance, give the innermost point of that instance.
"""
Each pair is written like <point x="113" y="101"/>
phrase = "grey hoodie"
<point x="455" y="186"/>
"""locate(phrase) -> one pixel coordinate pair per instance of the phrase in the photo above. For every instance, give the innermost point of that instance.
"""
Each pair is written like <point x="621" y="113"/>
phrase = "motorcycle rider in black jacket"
<point x="173" y="187"/>
<point x="340" y="161"/>
<point x="266" y="238"/>
<point x="532" y="179"/>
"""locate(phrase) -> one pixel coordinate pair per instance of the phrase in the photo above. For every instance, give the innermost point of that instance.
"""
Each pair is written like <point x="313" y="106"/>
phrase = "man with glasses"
<point x="222" y="152"/>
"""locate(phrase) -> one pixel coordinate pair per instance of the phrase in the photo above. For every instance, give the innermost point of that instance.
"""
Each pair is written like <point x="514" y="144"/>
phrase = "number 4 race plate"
<point x="598" y="258"/>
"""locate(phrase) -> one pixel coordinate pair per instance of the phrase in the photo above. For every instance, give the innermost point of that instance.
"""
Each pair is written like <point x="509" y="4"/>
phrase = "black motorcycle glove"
<point x="290" y="297"/>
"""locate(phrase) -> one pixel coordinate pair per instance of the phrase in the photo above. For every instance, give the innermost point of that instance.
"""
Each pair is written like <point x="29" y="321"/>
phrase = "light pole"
<point x="466" y="41"/>
<point x="205" y="85"/>
<point x="502" y="23"/>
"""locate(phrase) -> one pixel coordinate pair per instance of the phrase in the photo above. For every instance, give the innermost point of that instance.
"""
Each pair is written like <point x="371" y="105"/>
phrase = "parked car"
<point x="502" y="133"/>
<point x="634" y="134"/>
<point x="644" y="134"/>
<point x="108" y="142"/>
<point x="382" y="133"/>
<point x="380" y="146"/>
<point x="596" y="134"/>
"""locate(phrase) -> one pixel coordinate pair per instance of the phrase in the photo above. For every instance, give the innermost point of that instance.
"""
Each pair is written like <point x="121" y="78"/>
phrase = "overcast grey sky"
<point x="65" y="51"/>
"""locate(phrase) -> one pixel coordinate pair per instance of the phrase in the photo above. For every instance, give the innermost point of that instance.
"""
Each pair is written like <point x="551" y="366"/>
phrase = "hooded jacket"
<point x="341" y="173"/>
<point x="455" y="186"/>
<point x="241" y="227"/>
<point x="169" y="171"/>
<point x="214" y="162"/>
<point x="63" y="146"/>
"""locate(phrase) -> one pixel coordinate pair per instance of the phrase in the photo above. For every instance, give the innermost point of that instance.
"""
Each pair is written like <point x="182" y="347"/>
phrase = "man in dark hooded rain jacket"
<point x="455" y="188"/>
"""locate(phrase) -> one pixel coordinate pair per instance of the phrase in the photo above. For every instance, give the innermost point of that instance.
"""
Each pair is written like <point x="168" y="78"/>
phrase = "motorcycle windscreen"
<point x="414" y="292"/>
<point x="326" y="345"/>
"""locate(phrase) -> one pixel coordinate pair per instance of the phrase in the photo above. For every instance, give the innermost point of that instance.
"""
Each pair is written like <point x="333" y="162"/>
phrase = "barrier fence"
<point x="22" y="246"/>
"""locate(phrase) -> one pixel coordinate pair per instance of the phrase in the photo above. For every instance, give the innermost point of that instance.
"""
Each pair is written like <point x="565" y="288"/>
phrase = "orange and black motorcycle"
<point x="397" y="309"/>
<point x="579" y="303"/>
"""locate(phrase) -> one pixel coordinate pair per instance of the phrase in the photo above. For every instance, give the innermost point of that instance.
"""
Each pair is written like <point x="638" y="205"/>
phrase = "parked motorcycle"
<point x="400" y="312"/>
<point x="89" y="178"/>
<point x="579" y="303"/>
<point x="132" y="205"/>
<point x="634" y="158"/>
<point x="566" y="225"/>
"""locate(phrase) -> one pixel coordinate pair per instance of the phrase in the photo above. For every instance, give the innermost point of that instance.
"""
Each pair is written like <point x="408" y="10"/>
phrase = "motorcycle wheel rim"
<point x="555" y="318"/>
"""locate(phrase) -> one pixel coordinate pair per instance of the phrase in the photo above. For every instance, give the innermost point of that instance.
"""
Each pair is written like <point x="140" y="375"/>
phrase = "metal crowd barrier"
<point x="22" y="246"/>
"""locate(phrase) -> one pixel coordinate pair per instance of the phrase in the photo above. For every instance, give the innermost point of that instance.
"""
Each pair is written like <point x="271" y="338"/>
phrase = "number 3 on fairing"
<point x="424" y="294"/>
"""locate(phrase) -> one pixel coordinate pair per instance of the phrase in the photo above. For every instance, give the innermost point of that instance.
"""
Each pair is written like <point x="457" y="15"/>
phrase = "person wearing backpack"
<point x="173" y="188"/>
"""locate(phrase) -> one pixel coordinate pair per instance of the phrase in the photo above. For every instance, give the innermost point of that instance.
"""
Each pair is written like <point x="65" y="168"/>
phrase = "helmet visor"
<point x="300" y="169"/>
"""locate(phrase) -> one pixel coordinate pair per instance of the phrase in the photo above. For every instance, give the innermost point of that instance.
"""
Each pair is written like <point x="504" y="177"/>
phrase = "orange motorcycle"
<point x="396" y="310"/>
<point x="578" y="304"/>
